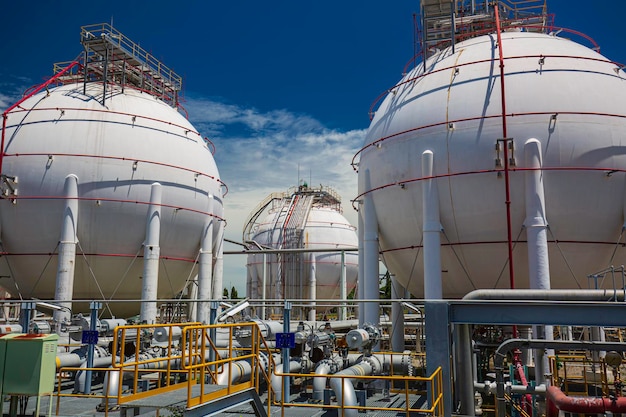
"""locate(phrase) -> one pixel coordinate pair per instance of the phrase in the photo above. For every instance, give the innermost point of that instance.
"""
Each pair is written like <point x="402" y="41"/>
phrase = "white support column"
<point x="192" y="289"/>
<point x="264" y="287"/>
<point x="205" y="267"/>
<point x="343" y="288"/>
<point x="537" y="237"/>
<point x="252" y="285"/>
<point x="151" y="255"/>
<point x="361" y="266"/>
<point x="312" y="287"/>
<point x="371" y="314"/>
<point x="397" y="316"/>
<point x="218" y="271"/>
<point x="431" y="231"/>
<point x="67" y="250"/>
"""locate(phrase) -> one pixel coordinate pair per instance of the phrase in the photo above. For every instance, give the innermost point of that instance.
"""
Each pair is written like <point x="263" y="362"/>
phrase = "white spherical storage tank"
<point x="562" y="101"/>
<point x="116" y="151"/>
<point x="308" y="219"/>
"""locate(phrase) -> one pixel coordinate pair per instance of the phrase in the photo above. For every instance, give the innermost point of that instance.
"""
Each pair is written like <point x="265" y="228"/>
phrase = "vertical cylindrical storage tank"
<point x="568" y="97"/>
<point x="117" y="140"/>
<point x="305" y="219"/>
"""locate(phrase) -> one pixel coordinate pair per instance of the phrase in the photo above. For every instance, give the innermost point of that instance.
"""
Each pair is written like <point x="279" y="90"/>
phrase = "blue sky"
<point x="280" y="87"/>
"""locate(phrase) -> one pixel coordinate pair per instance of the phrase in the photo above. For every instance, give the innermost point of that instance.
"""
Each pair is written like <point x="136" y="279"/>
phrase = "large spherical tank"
<point x="324" y="228"/>
<point x="117" y="151"/>
<point x="567" y="96"/>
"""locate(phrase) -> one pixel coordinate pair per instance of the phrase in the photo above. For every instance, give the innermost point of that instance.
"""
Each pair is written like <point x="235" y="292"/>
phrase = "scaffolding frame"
<point x="113" y="59"/>
<point x="444" y="23"/>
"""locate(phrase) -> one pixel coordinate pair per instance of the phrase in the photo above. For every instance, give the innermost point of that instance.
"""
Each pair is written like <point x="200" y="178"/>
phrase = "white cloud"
<point x="259" y="153"/>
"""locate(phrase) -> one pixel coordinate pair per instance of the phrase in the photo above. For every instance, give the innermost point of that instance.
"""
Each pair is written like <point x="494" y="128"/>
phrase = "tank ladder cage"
<point x="446" y="22"/>
<point x="112" y="58"/>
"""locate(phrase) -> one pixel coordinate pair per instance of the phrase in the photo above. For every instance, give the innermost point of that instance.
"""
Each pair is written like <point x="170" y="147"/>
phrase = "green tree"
<point x="226" y="293"/>
<point x="233" y="294"/>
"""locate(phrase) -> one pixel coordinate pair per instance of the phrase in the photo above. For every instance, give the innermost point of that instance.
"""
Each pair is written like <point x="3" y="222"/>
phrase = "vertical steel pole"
<point x="94" y="306"/>
<point x="285" y="351"/>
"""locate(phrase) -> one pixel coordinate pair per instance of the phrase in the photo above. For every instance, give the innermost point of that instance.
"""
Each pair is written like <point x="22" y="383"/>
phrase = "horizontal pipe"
<point x="550" y="295"/>
<point x="558" y="401"/>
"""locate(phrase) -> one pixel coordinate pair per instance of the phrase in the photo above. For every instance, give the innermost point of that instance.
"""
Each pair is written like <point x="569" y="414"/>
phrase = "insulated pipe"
<point x="312" y="287"/>
<point x="111" y="388"/>
<point x="67" y="251"/>
<point x="535" y="222"/>
<point x="66" y="359"/>
<point x="547" y="295"/>
<point x="80" y="381"/>
<point x="325" y="367"/>
<point x="558" y="401"/>
<point x="205" y="267"/>
<point x="491" y="387"/>
<point x="264" y="286"/>
<point x="369" y="314"/>
<point x="276" y="381"/>
<point x="240" y="371"/>
<point x="344" y="389"/>
<point x="236" y="372"/>
<point x="193" y="295"/>
<point x="343" y="288"/>
<point x="218" y="271"/>
<point x="151" y="254"/>
<point x="367" y="365"/>
<point x="431" y="226"/>
<point x="397" y="316"/>
<point x="536" y="232"/>
<point x="361" y="255"/>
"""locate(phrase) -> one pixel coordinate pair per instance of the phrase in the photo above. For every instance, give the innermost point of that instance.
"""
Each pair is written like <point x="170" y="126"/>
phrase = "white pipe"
<point x="535" y="222"/>
<point x="361" y="255"/>
<point x="491" y="387"/>
<point x="343" y="309"/>
<point x="111" y="388"/>
<point x="536" y="233"/>
<point x="205" y="267"/>
<point x="193" y="295"/>
<point x="277" y="381"/>
<point x="67" y="251"/>
<point x="264" y="287"/>
<point x="240" y="371"/>
<point x="344" y="389"/>
<point x="367" y="365"/>
<point x="151" y="254"/>
<point x="66" y="359"/>
<point x="431" y="231"/>
<point x="312" y="286"/>
<point x="218" y="269"/>
<point x="236" y="372"/>
<point x="325" y="367"/>
<point x="81" y="375"/>
<point x="370" y="313"/>
<point x="397" y="316"/>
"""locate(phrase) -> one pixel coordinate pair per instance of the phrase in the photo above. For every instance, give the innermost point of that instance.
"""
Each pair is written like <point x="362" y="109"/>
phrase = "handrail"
<point x="435" y="391"/>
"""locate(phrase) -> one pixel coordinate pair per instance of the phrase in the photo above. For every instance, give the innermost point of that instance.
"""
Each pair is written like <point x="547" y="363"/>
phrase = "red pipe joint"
<point x="557" y="400"/>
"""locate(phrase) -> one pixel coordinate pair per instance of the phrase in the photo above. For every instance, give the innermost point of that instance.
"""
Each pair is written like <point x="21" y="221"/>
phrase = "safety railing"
<point x="66" y="376"/>
<point x="410" y="387"/>
<point x="203" y="362"/>
<point x="579" y="375"/>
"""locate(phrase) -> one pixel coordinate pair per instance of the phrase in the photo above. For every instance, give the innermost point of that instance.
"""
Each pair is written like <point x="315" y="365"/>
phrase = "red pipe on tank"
<point x="557" y="400"/>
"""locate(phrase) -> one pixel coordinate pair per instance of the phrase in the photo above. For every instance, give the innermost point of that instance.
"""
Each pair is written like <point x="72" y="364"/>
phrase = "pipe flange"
<point x="374" y="363"/>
